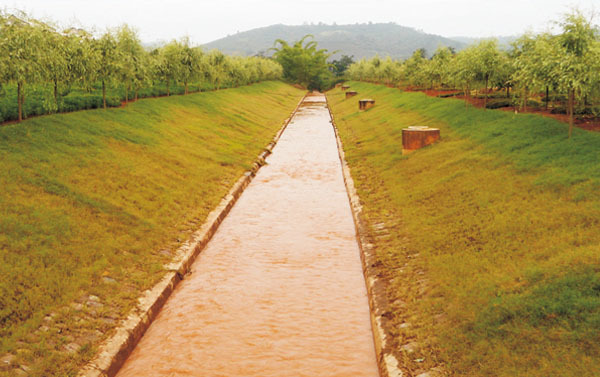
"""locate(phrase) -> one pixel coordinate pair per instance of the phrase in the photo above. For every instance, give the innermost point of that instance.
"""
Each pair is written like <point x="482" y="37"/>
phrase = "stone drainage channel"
<point x="279" y="290"/>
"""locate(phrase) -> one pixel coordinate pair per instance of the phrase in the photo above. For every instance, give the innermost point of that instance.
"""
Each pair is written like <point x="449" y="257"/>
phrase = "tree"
<point x="168" y="63"/>
<point x="524" y="61"/>
<point x="82" y="59"/>
<point x="462" y="70"/>
<point x="339" y="67"/>
<point x="485" y="64"/>
<point x="54" y="60"/>
<point x="414" y="68"/>
<point x="304" y="63"/>
<point x="108" y="57"/>
<point x="21" y="44"/>
<point x="576" y="55"/>
<point x="440" y="65"/>
<point x="130" y="66"/>
<point x="190" y="62"/>
<point x="216" y="68"/>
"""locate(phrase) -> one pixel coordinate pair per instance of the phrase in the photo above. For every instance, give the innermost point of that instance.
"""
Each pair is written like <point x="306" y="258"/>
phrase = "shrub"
<point x="447" y="95"/>
<point x="535" y="104"/>
<point x="496" y="104"/>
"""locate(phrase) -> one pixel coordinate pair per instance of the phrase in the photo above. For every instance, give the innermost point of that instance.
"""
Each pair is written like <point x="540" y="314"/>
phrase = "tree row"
<point x="71" y="68"/>
<point x="565" y="63"/>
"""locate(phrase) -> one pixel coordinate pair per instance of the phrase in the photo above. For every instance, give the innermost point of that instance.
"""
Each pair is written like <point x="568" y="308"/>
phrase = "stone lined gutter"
<point x="114" y="351"/>
<point x="376" y="287"/>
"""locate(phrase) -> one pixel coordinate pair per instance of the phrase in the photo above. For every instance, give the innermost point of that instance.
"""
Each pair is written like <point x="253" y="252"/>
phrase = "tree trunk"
<point x="485" y="97"/>
<point x="507" y="91"/>
<point x="168" y="92"/>
<point x="524" y="100"/>
<point x="126" y="94"/>
<point x="19" y="101"/>
<point x="547" y="96"/>
<point x="571" y="110"/>
<point x="103" y="94"/>
<point x="136" y="94"/>
<point x="186" y="87"/>
<point x="56" y="93"/>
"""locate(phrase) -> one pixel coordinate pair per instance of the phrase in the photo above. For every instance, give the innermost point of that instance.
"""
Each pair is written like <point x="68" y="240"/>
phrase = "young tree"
<point x="415" y="68"/>
<point x="216" y="68"/>
<point x="108" y="56"/>
<point x="82" y="58"/>
<point x="462" y="70"/>
<point x="525" y="61"/>
<point x="130" y="66"/>
<point x="21" y="42"/>
<point x="190" y="62"/>
<point x="440" y="65"/>
<point x="54" y="61"/>
<point x="485" y="64"/>
<point x="576" y="55"/>
<point x="168" y="63"/>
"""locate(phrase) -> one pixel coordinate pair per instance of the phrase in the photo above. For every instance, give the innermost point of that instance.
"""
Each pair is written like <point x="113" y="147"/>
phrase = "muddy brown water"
<point x="279" y="290"/>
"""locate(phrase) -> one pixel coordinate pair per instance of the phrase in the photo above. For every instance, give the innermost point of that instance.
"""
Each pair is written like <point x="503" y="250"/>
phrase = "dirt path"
<point x="279" y="290"/>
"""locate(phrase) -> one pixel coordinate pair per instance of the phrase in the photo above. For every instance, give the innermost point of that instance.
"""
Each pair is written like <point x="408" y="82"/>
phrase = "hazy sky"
<point x="207" y="20"/>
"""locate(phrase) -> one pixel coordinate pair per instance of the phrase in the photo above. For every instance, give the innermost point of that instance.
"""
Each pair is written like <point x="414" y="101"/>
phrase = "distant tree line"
<point x="566" y="64"/>
<point x="67" y="69"/>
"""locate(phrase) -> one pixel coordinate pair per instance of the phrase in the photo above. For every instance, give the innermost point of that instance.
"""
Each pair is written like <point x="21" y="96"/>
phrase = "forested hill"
<point x="359" y="40"/>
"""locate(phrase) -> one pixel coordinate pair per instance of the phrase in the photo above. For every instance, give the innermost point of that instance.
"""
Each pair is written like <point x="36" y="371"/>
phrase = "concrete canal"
<point x="279" y="290"/>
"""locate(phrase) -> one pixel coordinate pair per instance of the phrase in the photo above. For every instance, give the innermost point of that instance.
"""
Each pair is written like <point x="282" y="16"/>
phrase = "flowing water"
<point x="279" y="290"/>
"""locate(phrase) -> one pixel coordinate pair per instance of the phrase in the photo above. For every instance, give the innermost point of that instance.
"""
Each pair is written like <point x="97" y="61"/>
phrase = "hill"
<point x="358" y="40"/>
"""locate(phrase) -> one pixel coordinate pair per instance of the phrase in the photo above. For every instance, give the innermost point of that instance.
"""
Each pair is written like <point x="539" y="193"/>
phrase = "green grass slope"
<point x="489" y="239"/>
<point x="95" y="202"/>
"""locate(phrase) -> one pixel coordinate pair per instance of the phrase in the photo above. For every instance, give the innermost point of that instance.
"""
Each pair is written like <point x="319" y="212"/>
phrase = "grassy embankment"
<point x="94" y="203"/>
<point x="490" y="239"/>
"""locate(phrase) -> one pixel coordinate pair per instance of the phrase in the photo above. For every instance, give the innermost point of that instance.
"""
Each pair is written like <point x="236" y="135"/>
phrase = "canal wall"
<point x="376" y="288"/>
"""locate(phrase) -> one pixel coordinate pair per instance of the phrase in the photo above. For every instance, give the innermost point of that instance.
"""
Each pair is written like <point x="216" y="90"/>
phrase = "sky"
<point x="207" y="20"/>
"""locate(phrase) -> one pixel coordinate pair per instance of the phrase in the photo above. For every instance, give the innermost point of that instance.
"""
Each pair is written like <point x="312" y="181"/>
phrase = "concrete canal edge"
<point x="115" y="350"/>
<point x="376" y="288"/>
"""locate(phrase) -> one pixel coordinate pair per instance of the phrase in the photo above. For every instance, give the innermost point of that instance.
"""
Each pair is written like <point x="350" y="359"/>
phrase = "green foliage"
<point x="497" y="104"/>
<point x="54" y="70"/>
<point x="304" y="64"/>
<point x="568" y="63"/>
<point x="340" y="66"/>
